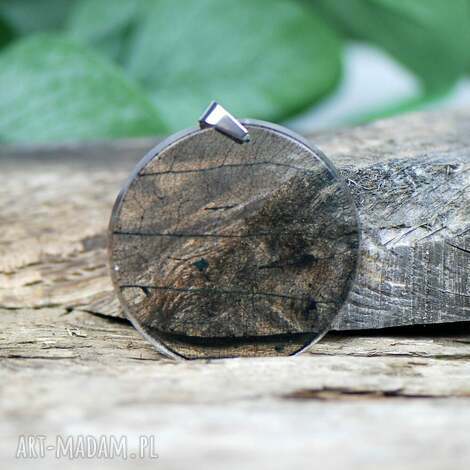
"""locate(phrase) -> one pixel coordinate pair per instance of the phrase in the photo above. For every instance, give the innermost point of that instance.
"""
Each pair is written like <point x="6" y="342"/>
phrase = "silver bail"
<point x="220" y="119"/>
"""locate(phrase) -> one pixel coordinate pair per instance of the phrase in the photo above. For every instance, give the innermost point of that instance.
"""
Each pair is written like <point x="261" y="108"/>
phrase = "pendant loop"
<point x="219" y="118"/>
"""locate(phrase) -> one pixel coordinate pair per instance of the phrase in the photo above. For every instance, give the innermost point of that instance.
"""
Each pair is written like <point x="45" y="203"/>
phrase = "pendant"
<point x="236" y="238"/>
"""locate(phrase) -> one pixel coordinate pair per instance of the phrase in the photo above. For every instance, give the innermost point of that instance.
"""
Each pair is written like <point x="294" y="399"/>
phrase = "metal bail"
<point x="220" y="119"/>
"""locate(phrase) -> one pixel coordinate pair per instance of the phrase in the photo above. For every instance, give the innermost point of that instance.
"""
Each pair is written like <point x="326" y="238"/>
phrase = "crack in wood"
<point x="211" y="290"/>
<point x="219" y="167"/>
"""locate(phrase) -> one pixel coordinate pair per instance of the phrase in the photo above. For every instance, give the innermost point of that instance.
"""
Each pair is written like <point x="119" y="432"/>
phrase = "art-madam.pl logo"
<point x="86" y="447"/>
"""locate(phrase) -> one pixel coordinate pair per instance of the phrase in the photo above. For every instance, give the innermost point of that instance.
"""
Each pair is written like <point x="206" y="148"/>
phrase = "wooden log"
<point x="409" y="177"/>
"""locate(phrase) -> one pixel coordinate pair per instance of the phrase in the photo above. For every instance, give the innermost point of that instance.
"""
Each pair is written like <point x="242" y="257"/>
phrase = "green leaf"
<point x="266" y="59"/>
<point x="106" y="24"/>
<point x="27" y="16"/>
<point x="429" y="37"/>
<point x="6" y="33"/>
<point x="53" y="89"/>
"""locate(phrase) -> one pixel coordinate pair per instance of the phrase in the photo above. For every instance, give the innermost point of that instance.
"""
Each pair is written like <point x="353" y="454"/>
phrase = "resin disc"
<point x="222" y="249"/>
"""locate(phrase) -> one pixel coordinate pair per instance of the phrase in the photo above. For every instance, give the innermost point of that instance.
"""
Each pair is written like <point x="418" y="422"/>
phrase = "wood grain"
<point x="226" y="249"/>
<point x="397" y="400"/>
<point x="386" y="400"/>
<point x="409" y="176"/>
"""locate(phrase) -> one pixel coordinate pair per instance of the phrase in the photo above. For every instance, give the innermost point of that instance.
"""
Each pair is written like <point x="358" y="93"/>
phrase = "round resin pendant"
<point x="233" y="239"/>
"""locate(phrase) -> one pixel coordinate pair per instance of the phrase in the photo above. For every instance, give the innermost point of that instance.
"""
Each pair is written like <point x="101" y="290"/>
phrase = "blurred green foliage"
<point x="89" y="69"/>
<point x="261" y="65"/>
<point x="429" y="37"/>
<point x="67" y="91"/>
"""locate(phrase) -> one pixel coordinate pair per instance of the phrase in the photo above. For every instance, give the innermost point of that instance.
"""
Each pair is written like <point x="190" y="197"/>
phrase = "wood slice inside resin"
<point x="222" y="249"/>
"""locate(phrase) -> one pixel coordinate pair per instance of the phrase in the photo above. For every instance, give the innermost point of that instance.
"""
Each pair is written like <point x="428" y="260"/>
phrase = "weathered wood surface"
<point x="398" y="400"/>
<point x="360" y="402"/>
<point x="411" y="181"/>
<point x="222" y="249"/>
<point x="409" y="176"/>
